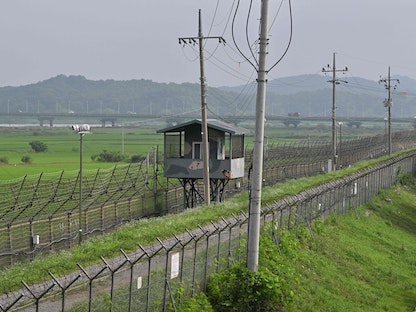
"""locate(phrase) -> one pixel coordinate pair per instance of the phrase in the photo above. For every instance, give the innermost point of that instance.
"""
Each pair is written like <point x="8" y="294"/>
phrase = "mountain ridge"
<point x="309" y="94"/>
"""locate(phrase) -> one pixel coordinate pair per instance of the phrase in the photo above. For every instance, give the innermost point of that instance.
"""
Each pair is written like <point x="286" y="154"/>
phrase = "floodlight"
<point x="81" y="128"/>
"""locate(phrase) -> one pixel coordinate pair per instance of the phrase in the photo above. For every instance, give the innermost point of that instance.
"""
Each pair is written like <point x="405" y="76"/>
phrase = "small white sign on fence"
<point x="174" y="268"/>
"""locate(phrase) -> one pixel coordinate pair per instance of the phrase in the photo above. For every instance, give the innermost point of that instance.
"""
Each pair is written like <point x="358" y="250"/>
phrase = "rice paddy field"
<point x="63" y="148"/>
<point x="63" y="144"/>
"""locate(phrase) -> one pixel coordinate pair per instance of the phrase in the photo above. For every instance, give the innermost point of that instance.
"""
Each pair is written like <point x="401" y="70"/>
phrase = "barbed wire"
<point x="47" y="205"/>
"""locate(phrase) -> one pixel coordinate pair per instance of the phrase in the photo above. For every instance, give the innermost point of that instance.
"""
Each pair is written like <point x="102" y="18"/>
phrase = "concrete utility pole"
<point x="257" y="173"/>
<point x="204" y="126"/>
<point x="388" y="103"/>
<point x="334" y="82"/>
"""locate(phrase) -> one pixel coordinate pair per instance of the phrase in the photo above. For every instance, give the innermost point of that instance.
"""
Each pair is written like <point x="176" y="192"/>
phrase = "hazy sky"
<point x="138" y="39"/>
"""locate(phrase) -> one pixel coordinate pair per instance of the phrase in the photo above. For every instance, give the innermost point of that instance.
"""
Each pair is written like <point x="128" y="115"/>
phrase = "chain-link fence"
<point x="43" y="213"/>
<point x="157" y="277"/>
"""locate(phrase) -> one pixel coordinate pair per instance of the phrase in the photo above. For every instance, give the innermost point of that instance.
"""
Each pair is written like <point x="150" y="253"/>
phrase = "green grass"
<point x="64" y="148"/>
<point x="63" y="145"/>
<point x="145" y="231"/>
<point x="362" y="261"/>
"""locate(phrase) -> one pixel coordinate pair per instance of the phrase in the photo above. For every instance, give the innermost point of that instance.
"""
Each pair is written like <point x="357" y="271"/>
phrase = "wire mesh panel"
<point x="157" y="277"/>
<point x="41" y="213"/>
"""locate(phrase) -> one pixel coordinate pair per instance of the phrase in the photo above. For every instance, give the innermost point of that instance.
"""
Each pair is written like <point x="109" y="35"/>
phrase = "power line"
<point x="247" y="37"/>
<point x="290" y="38"/>
<point x="225" y="27"/>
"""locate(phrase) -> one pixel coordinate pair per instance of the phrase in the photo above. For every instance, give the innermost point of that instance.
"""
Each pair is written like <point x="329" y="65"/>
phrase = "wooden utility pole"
<point x="334" y="82"/>
<point x="388" y="103"/>
<point x="204" y="126"/>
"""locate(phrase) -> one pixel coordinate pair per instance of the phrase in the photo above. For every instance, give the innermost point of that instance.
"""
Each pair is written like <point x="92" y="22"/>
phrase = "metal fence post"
<point x="37" y="297"/>
<point x="91" y="278"/>
<point x="63" y="287"/>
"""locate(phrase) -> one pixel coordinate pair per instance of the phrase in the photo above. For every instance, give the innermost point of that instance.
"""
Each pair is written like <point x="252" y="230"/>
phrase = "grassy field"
<point x="63" y="144"/>
<point x="64" y="148"/>
<point x="363" y="261"/>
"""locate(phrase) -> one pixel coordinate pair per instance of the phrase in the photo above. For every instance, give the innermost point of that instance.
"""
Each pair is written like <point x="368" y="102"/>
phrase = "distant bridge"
<point x="114" y="119"/>
<point x="74" y="118"/>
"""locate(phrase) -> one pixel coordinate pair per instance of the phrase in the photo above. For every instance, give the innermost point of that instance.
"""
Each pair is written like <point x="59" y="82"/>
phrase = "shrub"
<point x="38" y="146"/>
<point x="4" y="160"/>
<point x="197" y="302"/>
<point x="26" y="159"/>
<point x="137" y="158"/>
<point x="239" y="289"/>
<point x="106" y="156"/>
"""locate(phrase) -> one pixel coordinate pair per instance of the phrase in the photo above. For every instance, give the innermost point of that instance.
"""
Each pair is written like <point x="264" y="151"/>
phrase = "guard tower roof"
<point x="211" y="123"/>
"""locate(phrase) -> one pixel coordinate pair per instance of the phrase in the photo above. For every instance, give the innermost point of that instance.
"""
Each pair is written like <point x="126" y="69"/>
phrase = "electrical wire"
<point x="297" y="83"/>
<point x="275" y="16"/>
<point x="252" y="60"/>
<point x="255" y="64"/>
<point x="243" y="99"/>
<point x="213" y="18"/>
<point x="188" y="58"/>
<point x="290" y="38"/>
<point x="234" y="60"/>
<point x="231" y="71"/>
<point x="233" y="36"/>
<point x="221" y="42"/>
<point x="247" y="36"/>
<point x="212" y="25"/>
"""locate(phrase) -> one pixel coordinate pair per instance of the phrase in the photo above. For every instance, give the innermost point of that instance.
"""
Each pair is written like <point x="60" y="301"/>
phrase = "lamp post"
<point x="81" y="130"/>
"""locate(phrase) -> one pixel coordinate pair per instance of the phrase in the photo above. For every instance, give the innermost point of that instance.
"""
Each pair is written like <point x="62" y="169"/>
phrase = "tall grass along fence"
<point x="157" y="277"/>
<point x="44" y="213"/>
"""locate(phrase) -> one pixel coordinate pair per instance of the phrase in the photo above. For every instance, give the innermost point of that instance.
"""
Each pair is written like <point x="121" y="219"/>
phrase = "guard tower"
<point x="183" y="157"/>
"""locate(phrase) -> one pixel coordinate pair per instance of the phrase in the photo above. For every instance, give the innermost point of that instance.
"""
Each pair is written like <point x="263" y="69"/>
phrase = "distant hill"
<point x="310" y="95"/>
<point x="290" y="85"/>
<point x="77" y="94"/>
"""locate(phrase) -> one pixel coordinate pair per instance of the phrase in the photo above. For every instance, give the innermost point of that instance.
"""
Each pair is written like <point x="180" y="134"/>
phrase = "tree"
<point x="26" y="159"/>
<point x="38" y="146"/>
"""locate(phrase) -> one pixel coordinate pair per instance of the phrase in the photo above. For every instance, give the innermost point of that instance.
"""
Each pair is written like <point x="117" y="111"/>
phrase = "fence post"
<point x="155" y="170"/>
<point x="206" y="234"/>
<point x="145" y="253"/>
<point x="50" y="218"/>
<point x="31" y="244"/>
<point x="90" y="280"/>
<point x="12" y="304"/>
<point x="69" y="230"/>
<point x="167" y="250"/>
<point x="113" y="271"/>
<point x="64" y="288"/>
<point x="9" y="232"/>
<point x="37" y="297"/>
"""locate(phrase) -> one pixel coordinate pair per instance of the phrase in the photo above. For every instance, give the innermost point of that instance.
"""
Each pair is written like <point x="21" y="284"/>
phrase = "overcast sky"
<point x="138" y="39"/>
